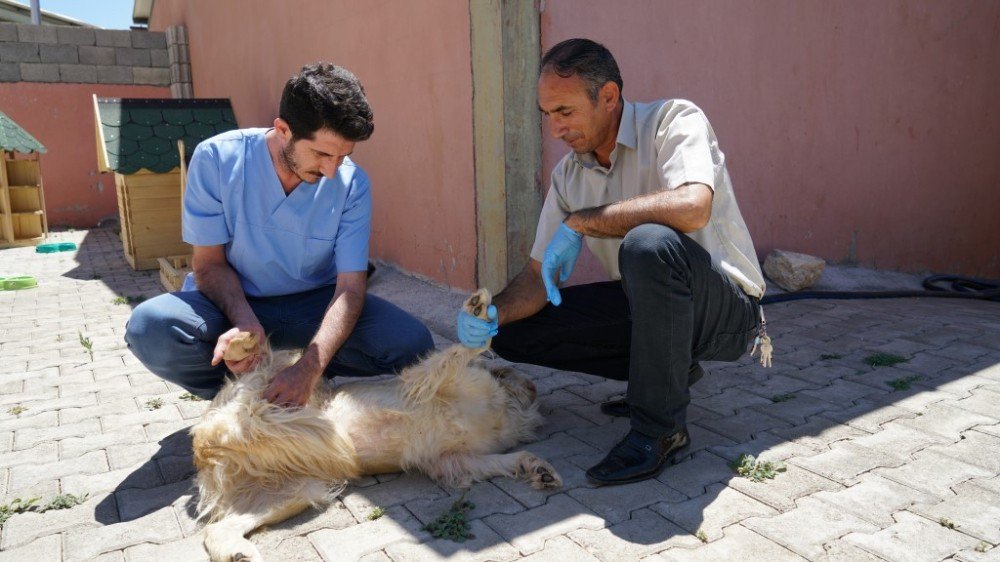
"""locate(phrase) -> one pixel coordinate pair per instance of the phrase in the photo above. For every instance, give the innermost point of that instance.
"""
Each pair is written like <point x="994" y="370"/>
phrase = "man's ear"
<point x="281" y="127"/>
<point x="609" y="96"/>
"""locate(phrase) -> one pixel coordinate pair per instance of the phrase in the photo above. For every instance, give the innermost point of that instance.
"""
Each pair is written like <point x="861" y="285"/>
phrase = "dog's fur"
<point x="446" y="416"/>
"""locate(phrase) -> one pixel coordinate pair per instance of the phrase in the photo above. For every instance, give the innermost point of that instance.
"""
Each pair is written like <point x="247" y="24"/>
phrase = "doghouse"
<point x="137" y="139"/>
<point x="22" y="202"/>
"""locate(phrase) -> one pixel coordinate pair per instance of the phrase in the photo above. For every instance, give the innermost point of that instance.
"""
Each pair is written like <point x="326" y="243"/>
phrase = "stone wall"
<point x="65" y="54"/>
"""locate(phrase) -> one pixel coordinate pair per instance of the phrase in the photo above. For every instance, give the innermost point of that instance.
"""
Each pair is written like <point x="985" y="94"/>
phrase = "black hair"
<point x="326" y="96"/>
<point x="589" y="60"/>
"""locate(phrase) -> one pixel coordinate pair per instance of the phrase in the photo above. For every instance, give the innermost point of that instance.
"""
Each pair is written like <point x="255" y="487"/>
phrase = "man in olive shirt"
<point x="646" y="185"/>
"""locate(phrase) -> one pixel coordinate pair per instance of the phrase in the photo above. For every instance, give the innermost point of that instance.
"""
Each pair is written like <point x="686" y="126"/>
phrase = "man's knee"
<point x="412" y="344"/>
<point x="648" y="245"/>
<point x="154" y="335"/>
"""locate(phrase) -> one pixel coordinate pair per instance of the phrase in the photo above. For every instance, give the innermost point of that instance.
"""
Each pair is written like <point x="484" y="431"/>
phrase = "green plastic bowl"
<point x="17" y="283"/>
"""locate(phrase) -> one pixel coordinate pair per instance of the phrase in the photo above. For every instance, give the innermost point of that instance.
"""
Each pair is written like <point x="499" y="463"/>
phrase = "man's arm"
<point x="294" y="385"/>
<point x="686" y="209"/>
<point x="524" y="296"/>
<point x="219" y="282"/>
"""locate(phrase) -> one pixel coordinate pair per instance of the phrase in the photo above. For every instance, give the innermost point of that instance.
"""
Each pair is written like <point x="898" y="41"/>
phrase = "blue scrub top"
<point x="278" y="244"/>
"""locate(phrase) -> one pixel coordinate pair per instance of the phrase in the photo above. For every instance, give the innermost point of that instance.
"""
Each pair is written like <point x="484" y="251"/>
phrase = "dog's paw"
<point x="478" y="303"/>
<point x="539" y="473"/>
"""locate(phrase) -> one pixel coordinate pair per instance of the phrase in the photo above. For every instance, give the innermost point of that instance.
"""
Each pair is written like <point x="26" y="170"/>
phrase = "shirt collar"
<point x="627" y="136"/>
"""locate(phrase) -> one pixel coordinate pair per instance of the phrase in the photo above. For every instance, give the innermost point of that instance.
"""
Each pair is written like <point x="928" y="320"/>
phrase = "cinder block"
<point x="114" y="74"/>
<point x="64" y="54"/>
<point x="113" y="38"/>
<point x="78" y="73"/>
<point x="29" y="33"/>
<point x="97" y="55"/>
<point x="159" y="58"/>
<point x="178" y="54"/>
<point x="8" y="31"/>
<point x="149" y="40"/>
<point x="10" y="72"/>
<point x="151" y="76"/>
<point x="34" y="72"/>
<point x="71" y="35"/>
<point x="19" y="52"/>
<point x="127" y="56"/>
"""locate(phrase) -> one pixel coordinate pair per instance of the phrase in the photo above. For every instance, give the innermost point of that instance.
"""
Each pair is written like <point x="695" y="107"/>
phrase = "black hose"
<point x="959" y="288"/>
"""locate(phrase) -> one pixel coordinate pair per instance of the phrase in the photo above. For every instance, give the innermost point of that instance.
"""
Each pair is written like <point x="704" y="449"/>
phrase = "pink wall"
<point x="61" y="117"/>
<point x="414" y="61"/>
<point x="855" y="131"/>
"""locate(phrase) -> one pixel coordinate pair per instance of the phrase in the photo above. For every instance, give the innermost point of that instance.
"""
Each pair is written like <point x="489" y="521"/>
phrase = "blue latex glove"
<point x="473" y="332"/>
<point x="560" y="257"/>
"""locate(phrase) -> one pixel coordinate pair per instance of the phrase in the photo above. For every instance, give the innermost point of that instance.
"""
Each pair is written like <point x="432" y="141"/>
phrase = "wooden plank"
<point x="8" y="221"/>
<point x="488" y="143"/>
<point x="41" y="197"/>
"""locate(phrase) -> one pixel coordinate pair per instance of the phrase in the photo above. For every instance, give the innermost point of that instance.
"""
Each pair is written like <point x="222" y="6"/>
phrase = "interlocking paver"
<point x="646" y="532"/>
<point x="808" y="527"/>
<point x="188" y="550"/>
<point x="45" y="548"/>
<point x="717" y="509"/>
<point x="24" y="528"/>
<point x="351" y="543"/>
<point x="485" y="496"/>
<point x="844" y="462"/>
<point x="692" y="476"/>
<point x="561" y="549"/>
<point x="973" y="511"/>
<point x="614" y="503"/>
<point x="782" y="492"/>
<point x="933" y="472"/>
<point x="875" y="499"/>
<point x="529" y="531"/>
<point x="912" y="539"/>
<point x="485" y="545"/>
<point x="738" y="545"/>
<point x="406" y="488"/>
<point x="157" y="527"/>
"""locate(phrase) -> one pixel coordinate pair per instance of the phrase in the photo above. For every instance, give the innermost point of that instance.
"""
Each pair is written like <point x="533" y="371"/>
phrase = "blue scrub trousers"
<point x="174" y="335"/>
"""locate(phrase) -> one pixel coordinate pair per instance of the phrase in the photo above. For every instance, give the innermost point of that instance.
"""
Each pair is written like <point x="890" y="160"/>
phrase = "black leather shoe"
<point x="619" y="408"/>
<point x="638" y="457"/>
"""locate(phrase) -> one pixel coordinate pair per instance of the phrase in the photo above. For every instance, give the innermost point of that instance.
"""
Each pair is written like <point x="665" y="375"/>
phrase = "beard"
<point x="288" y="159"/>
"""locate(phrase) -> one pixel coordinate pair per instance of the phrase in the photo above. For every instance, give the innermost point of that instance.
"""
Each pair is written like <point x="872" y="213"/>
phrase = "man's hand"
<point x="293" y="386"/>
<point x="560" y="257"/>
<point x="473" y="332"/>
<point x="246" y="364"/>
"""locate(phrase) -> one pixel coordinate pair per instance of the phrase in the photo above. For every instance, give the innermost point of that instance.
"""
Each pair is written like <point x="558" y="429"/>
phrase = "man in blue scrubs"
<point x="279" y="220"/>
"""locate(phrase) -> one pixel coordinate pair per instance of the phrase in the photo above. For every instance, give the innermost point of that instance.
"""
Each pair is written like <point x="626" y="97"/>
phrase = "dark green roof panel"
<point x="15" y="139"/>
<point x="143" y="133"/>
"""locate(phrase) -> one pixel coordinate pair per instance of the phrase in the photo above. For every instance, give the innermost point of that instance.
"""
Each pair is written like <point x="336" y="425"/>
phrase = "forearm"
<point x="337" y="324"/>
<point x="221" y="285"/>
<point x="524" y="296"/>
<point x="686" y="209"/>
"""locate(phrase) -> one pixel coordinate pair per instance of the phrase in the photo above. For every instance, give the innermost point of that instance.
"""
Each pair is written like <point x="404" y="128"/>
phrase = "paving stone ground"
<point x="873" y="472"/>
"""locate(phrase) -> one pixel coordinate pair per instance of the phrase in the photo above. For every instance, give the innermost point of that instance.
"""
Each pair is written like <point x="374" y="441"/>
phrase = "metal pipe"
<point x="36" y="13"/>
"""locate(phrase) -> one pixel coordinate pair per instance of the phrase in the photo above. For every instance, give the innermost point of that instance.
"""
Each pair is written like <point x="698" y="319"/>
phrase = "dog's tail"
<point x="429" y="378"/>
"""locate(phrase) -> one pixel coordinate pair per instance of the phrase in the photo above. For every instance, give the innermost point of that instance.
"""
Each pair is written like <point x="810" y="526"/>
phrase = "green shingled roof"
<point x="143" y="133"/>
<point x="15" y="139"/>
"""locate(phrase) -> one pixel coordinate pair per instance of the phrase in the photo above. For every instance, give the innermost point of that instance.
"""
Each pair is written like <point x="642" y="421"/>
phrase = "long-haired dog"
<point x="446" y="416"/>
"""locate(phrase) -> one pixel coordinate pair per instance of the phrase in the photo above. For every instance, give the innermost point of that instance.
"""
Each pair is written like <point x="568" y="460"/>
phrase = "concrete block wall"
<point x="65" y="54"/>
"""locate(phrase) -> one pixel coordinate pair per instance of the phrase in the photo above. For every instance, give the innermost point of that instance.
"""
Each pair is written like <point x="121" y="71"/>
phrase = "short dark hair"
<point x="324" y="95"/>
<point x="589" y="60"/>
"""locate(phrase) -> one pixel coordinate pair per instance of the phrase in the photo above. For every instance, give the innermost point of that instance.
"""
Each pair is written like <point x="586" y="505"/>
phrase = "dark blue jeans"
<point x="174" y="335"/>
<point x="672" y="309"/>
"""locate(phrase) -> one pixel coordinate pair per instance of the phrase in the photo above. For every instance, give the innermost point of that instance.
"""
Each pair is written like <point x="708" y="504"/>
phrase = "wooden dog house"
<point x="137" y="139"/>
<point x="22" y="201"/>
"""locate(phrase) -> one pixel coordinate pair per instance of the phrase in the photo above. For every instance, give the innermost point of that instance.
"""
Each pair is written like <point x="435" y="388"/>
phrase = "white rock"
<point x="793" y="271"/>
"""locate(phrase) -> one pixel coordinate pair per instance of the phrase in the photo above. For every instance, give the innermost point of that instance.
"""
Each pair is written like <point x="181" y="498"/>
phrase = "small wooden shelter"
<point x="137" y="139"/>
<point x="22" y="202"/>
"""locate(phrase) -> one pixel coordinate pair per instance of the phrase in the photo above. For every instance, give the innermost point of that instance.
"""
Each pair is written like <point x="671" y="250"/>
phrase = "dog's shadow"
<point x="160" y="482"/>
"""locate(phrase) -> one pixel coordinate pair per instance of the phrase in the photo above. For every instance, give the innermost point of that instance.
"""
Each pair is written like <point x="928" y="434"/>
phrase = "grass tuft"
<point x="755" y="469"/>
<point x="884" y="359"/>
<point x="452" y="524"/>
<point x="902" y="383"/>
